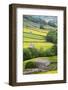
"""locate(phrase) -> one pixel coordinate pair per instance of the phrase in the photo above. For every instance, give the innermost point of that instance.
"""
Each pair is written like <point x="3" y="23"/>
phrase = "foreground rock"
<point x="42" y="64"/>
<point x="30" y="71"/>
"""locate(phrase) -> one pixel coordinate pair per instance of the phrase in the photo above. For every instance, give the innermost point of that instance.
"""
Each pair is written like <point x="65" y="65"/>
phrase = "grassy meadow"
<point x="37" y="38"/>
<point x="37" y="49"/>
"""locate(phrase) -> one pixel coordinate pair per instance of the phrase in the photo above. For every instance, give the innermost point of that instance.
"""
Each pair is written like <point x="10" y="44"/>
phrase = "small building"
<point x="31" y="45"/>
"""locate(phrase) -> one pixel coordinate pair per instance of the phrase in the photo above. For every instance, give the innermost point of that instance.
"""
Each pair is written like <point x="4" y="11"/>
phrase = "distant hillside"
<point x="44" y="22"/>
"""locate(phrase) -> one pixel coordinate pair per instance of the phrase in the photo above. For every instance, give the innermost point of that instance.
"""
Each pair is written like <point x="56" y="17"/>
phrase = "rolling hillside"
<point x="36" y="29"/>
<point x="37" y="51"/>
<point x="47" y="22"/>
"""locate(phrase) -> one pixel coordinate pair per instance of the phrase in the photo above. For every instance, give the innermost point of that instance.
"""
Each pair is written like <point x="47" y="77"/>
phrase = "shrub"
<point x="51" y="51"/>
<point x="54" y="49"/>
<point x="48" y="52"/>
<point x="41" y="26"/>
<point x="45" y="53"/>
<point x="41" y="52"/>
<point x="52" y="24"/>
<point x="30" y="64"/>
<point x="52" y="36"/>
<point x="29" y="53"/>
<point x="34" y="52"/>
<point x="26" y="54"/>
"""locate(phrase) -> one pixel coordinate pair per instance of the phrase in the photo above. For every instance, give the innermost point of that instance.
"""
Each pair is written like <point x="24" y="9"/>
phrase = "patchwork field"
<point x="37" y="38"/>
<point x="36" y="31"/>
<point x="39" y="44"/>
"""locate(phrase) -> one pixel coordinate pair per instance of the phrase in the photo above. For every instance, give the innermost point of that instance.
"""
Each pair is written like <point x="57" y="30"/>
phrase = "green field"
<point x="36" y="31"/>
<point x="52" y="59"/>
<point x="34" y="35"/>
<point x="37" y="38"/>
<point x="39" y="43"/>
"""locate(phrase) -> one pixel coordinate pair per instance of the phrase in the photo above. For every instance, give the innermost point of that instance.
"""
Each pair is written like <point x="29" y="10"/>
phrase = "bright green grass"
<point x="39" y="45"/>
<point x="33" y="59"/>
<point x="53" y="58"/>
<point x="37" y="37"/>
<point x="26" y="61"/>
<point x="33" y="36"/>
<point x="36" y="31"/>
<point x="32" y="40"/>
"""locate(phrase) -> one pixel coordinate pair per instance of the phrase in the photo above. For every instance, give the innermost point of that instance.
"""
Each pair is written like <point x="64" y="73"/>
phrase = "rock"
<point x="41" y="66"/>
<point x="30" y="71"/>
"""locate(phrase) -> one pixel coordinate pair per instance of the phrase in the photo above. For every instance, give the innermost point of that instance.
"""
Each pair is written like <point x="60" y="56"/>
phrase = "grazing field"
<point x="36" y="31"/>
<point x="39" y="44"/>
<point x="37" y="38"/>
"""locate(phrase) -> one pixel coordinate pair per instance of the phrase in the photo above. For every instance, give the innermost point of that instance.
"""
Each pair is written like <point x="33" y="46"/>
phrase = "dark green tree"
<point x="30" y="64"/>
<point x="41" y="26"/>
<point x="52" y="36"/>
<point x="26" y="54"/>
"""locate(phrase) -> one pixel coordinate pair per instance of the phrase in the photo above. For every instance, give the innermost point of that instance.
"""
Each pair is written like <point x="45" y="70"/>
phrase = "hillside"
<point x="39" y="53"/>
<point x="44" y="22"/>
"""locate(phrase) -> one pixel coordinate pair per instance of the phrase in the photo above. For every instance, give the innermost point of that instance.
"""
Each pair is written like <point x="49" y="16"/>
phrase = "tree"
<point x="52" y="36"/>
<point x="26" y="54"/>
<point x="41" y="26"/>
<point x="52" y="23"/>
<point x="30" y="64"/>
<point x="54" y="49"/>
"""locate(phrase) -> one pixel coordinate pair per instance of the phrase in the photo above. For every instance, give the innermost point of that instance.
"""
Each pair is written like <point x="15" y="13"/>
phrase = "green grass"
<point x="37" y="37"/>
<point x="53" y="58"/>
<point x="39" y="45"/>
<point x="33" y="36"/>
<point x="32" y="40"/>
<point x="36" y="31"/>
